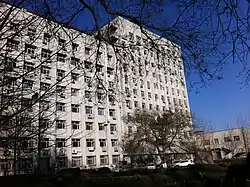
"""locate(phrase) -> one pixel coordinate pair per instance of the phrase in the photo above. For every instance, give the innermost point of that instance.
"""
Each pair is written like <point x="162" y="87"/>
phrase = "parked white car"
<point x="184" y="163"/>
<point x="151" y="166"/>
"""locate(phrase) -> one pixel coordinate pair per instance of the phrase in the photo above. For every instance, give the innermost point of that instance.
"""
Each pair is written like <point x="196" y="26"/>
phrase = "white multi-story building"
<point x="85" y="86"/>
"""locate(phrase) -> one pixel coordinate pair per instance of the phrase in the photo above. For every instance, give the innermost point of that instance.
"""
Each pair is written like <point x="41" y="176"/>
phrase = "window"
<point x="46" y="53"/>
<point x="45" y="70"/>
<point x="30" y="50"/>
<point x="109" y="58"/>
<point x="61" y="42"/>
<point x="111" y="98"/>
<point x="74" y="92"/>
<point x="62" y="162"/>
<point x="75" y="108"/>
<point x="102" y="142"/>
<point x="12" y="45"/>
<point x="88" y="94"/>
<point x="44" y="123"/>
<point x="142" y="94"/>
<point x="110" y="71"/>
<point x="236" y="138"/>
<point x="89" y="125"/>
<point x="135" y="104"/>
<point x="154" y="75"/>
<point x="99" y="68"/>
<point x="75" y="125"/>
<point x="89" y="109"/>
<point x="61" y="57"/>
<point x="46" y="38"/>
<point x="127" y="91"/>
<point x="148" y="85"/>
<point x="28" y="66"/>
<point x="156" y="97"/>
<point x="163" y="98"/>
<point x="172" y="91"/>
<point x="87" y="50"/>
<point x="135" y="91"/>
<point x="101" y="126"/>
<point x="115" y="159"/>
<point x="128" y="103"/>
<point x="157" y="107"/>
<point x="206" y="142"/>
<point x="143" y="105"/>
<point x="60" y="124"/>
<point x="44" y="142"/>
<point x="60" y="107"/>
<point x="60" y="89"/>
<point x="60" y="142"/>
<point x="75" y="142"/>
<point x="74" y="77"/>
<point x="90" y="142"/>
<point x="10" y="64"/>
<point x="150" y="106"/>
<point x="99" y="96"/>
<point x="130" y="130"/>
<point x="87" y="79"/>
<point x="227" y="139"/>
<point x="74" y="47"/>
<point x="149" y="95"/>
<point x="87" y="65"/>
<point x="76" y="161"/>
<point x="14" y="26"/>
<point x="112" y="128"/>
<point x="31" y="33"/>
<point x="101" y="111"/>
<point x="75" y="61"/>
<point x="112" y="112"/>
<point x="27" y="84"/>
<point x="114" y="142"/>
<point x="104" y="160"/>
<point x="60" y="74"/>
<point x="91" y="160"/>
<point x="111" y="85"/>
<point x="216" y="141"/>
<point x="44" y="86"/>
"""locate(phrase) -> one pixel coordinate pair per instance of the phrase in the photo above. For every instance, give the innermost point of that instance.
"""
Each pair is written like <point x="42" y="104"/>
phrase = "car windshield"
<point x="183" y="161"/>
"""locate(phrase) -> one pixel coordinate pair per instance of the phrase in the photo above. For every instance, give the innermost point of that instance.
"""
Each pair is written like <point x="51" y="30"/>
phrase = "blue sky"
<point x="224" y="101"/>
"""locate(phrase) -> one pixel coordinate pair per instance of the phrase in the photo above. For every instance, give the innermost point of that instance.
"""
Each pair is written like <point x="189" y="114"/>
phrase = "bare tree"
<point x="157" y="133"/>
<point x="209" y="34"/>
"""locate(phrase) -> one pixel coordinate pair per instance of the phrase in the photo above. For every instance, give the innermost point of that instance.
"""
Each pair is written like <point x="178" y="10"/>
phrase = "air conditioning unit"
<point x="33" y="56"/>
<point x="74" y="151"/>
<point x="62" y="95"/>
<point x="47" y="77"/>
<point x="90" y="116"/>
<point x="104" y="149"/>
<point x="115" y="149"/>
<point x="91" y="149"/>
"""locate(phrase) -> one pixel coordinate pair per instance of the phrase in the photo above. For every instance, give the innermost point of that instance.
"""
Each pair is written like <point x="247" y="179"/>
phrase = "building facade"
<point x="225" y="144"/>
<point x="73" y="90"/>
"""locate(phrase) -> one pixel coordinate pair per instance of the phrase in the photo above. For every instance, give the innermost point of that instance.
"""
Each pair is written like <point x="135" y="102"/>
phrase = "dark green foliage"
<point x="195" y="176"/>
